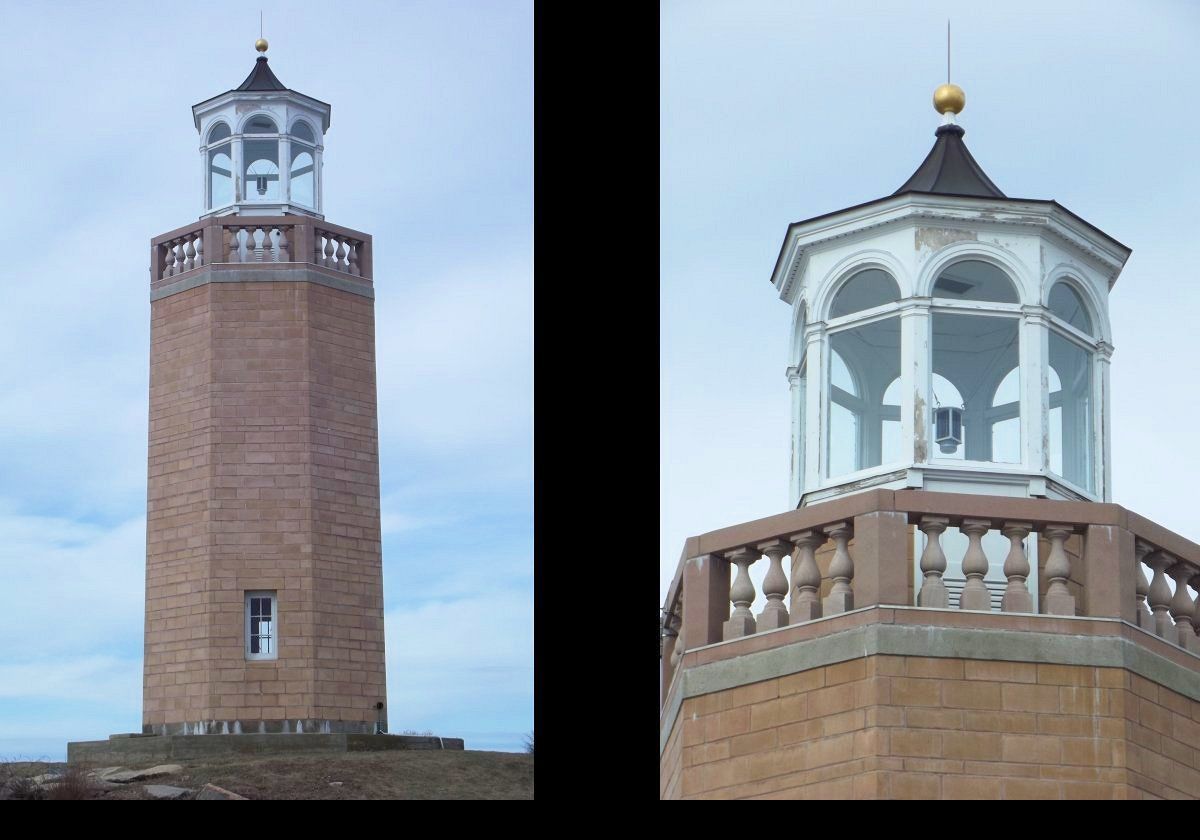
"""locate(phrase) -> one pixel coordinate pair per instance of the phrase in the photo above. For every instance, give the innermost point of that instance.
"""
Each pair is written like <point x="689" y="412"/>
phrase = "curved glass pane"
<point x="975" y="280"/>
<point x="301" y="183"/>
<point x="1071" y="444"/>
<point x="262" y="170"/>
<point x="864" y="429"/>
<point x="978" y="356"/>
<point x="260" y="125"/>
<point x="1066" y="303"/>
<point x="220" y="176"/>
<point x="864" y="290"/>
<point x="218" y="132"/>
<point x="303" y="132"/>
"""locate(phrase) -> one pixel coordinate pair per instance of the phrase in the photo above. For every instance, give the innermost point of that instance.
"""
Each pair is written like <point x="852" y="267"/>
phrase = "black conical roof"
<point x="261" y="77"/>
<point x="949" y="169"/>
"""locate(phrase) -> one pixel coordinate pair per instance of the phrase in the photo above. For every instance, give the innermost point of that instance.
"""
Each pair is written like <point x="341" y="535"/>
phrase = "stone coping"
<point x="918" y="631"/>
<point x="261" y="273"/>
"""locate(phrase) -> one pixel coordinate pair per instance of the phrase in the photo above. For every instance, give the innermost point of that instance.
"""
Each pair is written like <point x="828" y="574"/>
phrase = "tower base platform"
<point x="134" y="748"/>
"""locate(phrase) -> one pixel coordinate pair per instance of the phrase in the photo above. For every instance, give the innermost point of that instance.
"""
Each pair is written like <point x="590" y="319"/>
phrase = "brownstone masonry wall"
<point x="935" y="726"/>
<point x="896" y="727"/>
<point x="263" y="476"/>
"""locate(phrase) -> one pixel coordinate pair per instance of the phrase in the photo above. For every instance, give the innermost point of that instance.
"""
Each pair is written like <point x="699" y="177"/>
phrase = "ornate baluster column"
<point x="318" y="255"/>
<point x="674" y="623"/>
<point x="1182" y="608"/>
<point x="975" y="595"/>
<point x="340" y="255"/>
<point x="806" y="576"/>
<point x="933" y="563"/>
<point x="199" y="241"/>
<point x="841" y="570"/>
<point x="1017" y="597"/>
<point x="1160" y="593"/>
<point x="1144" y="616"/>
<point x="327" y="260"/>
<point x="741" y="622"/>
<point x="233" y="245"/>
<point x="354" y="267"/>
<point x="283" y="255"/>
<point x="1059" y="600"/>
<point x="189" y="253"/>
<point x="775" y="585"/>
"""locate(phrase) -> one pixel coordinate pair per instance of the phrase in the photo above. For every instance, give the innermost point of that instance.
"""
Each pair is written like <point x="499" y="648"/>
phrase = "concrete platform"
<point x="136" y="748"/>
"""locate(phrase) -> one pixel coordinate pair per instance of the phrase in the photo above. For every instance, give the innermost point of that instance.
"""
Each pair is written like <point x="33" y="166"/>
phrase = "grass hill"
<point x="416" y="774"/>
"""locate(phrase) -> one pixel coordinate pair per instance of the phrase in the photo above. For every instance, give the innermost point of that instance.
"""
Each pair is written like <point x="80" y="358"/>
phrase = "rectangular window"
<point x="261" y="627"/>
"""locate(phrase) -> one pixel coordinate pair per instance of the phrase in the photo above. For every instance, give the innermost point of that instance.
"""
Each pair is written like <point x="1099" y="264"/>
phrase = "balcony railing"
<point x="1096" y="566"/>
<point x="258" y="240"/>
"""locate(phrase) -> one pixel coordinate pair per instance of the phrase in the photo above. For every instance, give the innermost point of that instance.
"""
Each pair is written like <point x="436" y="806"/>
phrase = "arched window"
<point x="1071" y="428"/>
<point x="975" y="280"/>
<point x="1066" y="303"/>
<point x="864" y="427"/>
<point x="301" y="131"/>
<point x="260" y="125"/>
<point x="220" y="167"/>
<point x="302" y="177"/>
<point x="864" y="290"/>
<point x="978" y="354"/>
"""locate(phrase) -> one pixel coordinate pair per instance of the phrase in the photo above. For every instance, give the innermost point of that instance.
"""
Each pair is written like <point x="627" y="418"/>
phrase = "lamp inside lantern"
<point x="947" y="425"/>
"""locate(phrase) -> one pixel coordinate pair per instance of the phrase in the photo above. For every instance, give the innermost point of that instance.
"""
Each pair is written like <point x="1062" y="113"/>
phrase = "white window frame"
<point x="274" y="636"/>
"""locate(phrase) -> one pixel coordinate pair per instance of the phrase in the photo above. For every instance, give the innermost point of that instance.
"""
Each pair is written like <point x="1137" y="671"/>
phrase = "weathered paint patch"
<point x="920" y="444"/>
<point x="934" y="238"/>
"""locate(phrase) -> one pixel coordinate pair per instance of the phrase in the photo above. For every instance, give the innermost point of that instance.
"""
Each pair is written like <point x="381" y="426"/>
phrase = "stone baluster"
<point x="674" y="624"/>
<point x="1059" y="600"/>
<point x="168" y="251"/>
<point x="341" y="253"/>
<point x="233" y="245"/>
<point x="775" y="585"/>
<point x="975" y="595"/>
<point x="199" y="240"/>
<point x="260" y="245"/>
<point x="1195" y="582"/>
<point x="282" y="254"/>
<point x="933" y="563"/>
<point x="354" y="267"/>
<point x="806" y="576"/>
<point x="189" y="253"/>
<point x="1145" y="618"/>
<point x="327" y="260"/>
<point x="177" y="247"/>
<point x="841" y="570"/>
<point x="1017" y="597"/>
<point x="318" y="256"/>
<point x="1160" y="594"/>
<point x="741" y="622"/>
<point x="1182" y="608"/>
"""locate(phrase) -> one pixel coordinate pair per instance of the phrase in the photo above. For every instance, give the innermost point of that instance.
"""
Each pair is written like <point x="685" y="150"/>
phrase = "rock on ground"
<point x="214" y="792"/>
<point x="124" y="776"/>
<point x="167" y="792"/>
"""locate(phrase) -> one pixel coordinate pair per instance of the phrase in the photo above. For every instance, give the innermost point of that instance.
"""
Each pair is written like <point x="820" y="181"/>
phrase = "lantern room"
<point x="950" y="337"/>
<point x="261" y="147"/>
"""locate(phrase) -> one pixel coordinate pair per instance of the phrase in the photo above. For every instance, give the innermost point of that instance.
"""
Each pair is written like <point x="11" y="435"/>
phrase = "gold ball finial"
<point x="949" y="97"/>
<point x="261" y="45"/>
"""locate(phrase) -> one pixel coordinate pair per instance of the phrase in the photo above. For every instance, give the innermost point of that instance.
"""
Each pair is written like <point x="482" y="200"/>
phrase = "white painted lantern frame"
<point x="913" y="238"/>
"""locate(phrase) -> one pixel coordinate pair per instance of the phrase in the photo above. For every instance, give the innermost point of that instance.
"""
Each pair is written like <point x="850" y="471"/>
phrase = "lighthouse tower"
<point x="264" y="586"/>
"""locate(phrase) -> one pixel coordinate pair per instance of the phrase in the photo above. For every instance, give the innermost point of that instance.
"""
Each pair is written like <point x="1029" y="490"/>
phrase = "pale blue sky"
<point x="431" y="151"/>
<point x="772" y="112"/>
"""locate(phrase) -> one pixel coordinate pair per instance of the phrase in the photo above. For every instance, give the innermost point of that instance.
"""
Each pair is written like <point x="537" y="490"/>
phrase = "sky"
<point x="430" y="150"/>
<point x="773" y="112"/>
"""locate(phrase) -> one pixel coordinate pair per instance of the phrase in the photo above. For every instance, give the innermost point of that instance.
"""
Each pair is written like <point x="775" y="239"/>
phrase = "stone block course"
<point x="977" y="729"/>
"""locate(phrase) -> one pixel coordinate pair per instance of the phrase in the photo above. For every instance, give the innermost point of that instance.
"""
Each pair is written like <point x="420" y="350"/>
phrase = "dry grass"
<point x="74" y="784"/>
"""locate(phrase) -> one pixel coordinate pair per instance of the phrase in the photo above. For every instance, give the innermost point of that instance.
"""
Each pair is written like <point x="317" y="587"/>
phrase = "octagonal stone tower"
<point x="264" y="583"/>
